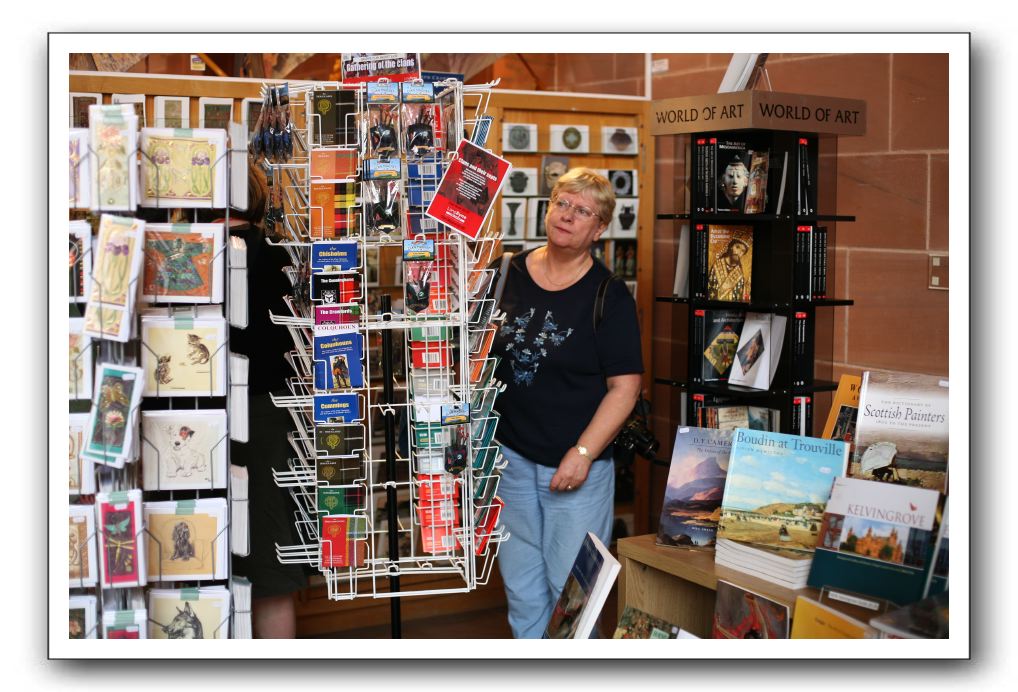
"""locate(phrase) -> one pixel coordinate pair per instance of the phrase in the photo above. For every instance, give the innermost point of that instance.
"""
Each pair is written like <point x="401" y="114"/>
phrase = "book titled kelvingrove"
<point x="876" y="539"/>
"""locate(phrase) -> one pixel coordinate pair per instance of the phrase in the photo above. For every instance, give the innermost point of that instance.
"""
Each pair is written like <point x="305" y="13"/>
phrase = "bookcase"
<point x="793" y="238"/>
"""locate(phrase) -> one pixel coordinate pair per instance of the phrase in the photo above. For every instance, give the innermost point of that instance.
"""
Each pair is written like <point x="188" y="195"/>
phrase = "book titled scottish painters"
<point x="902" y="430"/>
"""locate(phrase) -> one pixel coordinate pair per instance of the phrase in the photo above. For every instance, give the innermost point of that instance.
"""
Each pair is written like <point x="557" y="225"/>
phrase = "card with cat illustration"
<point x="183" y="356"/>
<point x="187" y="540"/>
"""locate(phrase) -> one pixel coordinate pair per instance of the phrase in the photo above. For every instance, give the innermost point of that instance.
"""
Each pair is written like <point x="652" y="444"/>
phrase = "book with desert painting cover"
<point x="902" y="433"/>
<point x="777" y="488"/>
<point x="696" y="482"/>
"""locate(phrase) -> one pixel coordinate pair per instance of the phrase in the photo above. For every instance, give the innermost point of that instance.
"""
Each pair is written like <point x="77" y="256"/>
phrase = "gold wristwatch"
<point x="583" y="452"/>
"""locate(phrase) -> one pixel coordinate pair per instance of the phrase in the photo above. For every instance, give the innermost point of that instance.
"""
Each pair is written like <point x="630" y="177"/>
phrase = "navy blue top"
<point x="554" y="364"/>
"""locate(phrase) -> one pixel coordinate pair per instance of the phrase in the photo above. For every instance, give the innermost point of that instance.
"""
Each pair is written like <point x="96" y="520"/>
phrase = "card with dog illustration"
<point x="183" y="356"/>
<point x="202" y="613"/>
<point x="80" y="471"/>
<point x="82" y="571"/>
<point x="337" y="357"/>
<point x="79" y="364"/>
<point x="110" y="433"/>
<point x="121" y="535"/>
<point x="183" y="263"/>
<point x="187" y="540"/>
<point x="183" y="450"/>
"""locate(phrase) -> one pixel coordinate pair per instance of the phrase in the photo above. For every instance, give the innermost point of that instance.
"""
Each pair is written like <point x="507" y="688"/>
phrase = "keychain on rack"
<point x="284" y="143"/>
<point x="456" y="452"/>
<point x="274" y="207"/>
<point x="383" y="203"/>
<point x="420" y="135"/>
<point x="418" y="286"/>
<point x="383" y="131"/>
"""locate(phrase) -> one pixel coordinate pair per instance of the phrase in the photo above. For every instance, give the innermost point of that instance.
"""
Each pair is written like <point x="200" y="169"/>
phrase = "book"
<point x="719" y="342"/>
<point x="680" y="287"/>
<point x="195" y="613"/>
<point x="844" y="409"/>
<point x="877" y="539"/>
<point x="183" y="449"/>
<point x="784" y="568"/>
<point x="696" y="480"/>
<point x="730" y="174"/>
<point x="468" y="189"/>
<point x="756" y="192"/>
<point x="902" y="433"/>
<point x="583" y="595"/>
<point x="941" y="557"/>
<point x="183" y="263"/>
<point x="759" y="352"/>
<point x="730" y="263"/>
<point x="777" y="488"/>
<point x="121" y="535"/>
<point x="337" y="354"/>
<point x="184" y="168"/>
<point x="925" y="619"/>
<point x="743" y="614"/>
<point x="815" y="620"/>
<point x="636" y="624"/>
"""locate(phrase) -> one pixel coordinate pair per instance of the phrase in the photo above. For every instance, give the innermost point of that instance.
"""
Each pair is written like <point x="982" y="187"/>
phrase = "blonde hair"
<point x="580" y="180"/>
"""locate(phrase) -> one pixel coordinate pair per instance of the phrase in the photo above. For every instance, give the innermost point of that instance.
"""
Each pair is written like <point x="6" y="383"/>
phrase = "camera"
<point x="635" y="437"/>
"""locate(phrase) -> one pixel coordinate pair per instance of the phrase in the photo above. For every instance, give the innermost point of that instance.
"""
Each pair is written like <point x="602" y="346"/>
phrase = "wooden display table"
<point x="679" y="585"/>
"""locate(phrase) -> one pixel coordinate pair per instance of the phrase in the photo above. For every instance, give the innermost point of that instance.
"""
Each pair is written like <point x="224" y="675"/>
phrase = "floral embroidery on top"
<point x="525" y="359"/>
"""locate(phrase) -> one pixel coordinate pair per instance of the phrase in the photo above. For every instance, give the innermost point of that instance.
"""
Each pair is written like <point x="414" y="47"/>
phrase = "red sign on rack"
<point x="468" y="189"/>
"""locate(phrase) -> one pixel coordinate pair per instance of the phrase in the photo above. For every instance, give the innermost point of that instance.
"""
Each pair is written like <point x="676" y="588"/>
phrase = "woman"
<point x="569" y="389"/>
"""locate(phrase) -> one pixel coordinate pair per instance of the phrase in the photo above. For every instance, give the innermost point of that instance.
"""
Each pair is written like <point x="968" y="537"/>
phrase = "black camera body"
<point x="636" y="437"/>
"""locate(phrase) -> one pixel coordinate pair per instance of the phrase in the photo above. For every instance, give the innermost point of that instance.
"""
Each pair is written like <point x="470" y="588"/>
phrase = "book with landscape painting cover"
<point x="696" y="482"/>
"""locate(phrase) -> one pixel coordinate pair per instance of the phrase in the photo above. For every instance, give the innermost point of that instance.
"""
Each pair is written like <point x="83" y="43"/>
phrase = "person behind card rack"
<point x="569" y="389"/>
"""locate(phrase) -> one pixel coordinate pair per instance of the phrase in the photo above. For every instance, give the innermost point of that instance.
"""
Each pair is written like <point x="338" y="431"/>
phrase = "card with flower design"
<point x="113" y="136"/>
<point x="202" y="613"/>
<point x="183" y="356"/>
<point x="81" y="617"/>
<point x="173" y="111"/>
<point x="79" y="261"/>
<point x="183" y="450"/>
<point x="79" y="363"/>
<point x="79" y="170"/>
<point x="121" y="539"/>
<point x="183" y="263"/>
<point x="110" y="434"/>
<point x="81" y="541"/>
<point x="183" y="168"/>
<point x="79" y="104"/>
<point x="112" y="290"/>
<point x="187" y="540"/>
<point x="80" y="470"/>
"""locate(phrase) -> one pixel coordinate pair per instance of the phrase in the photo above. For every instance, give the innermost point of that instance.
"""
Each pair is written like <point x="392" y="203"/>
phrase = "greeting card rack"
<point x="145" y="465"/>
<point x="395" y="470"/>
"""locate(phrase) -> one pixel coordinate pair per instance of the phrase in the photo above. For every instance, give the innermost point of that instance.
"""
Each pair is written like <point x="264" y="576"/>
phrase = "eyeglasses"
<point x="563" y="205"/>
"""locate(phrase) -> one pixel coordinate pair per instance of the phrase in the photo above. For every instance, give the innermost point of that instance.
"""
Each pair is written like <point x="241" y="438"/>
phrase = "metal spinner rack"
<point x="117" y="481"/>
<point x="403" y="480"/>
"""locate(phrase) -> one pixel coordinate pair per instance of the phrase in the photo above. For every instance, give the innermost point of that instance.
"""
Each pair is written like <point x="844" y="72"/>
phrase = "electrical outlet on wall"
<point x="938" y="272"/>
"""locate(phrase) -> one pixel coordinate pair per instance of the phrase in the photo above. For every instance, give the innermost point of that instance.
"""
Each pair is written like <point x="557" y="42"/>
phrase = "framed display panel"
<point x="172" y="111"/>
<point x="78" y="104"/>
<point x="215" y="113"/>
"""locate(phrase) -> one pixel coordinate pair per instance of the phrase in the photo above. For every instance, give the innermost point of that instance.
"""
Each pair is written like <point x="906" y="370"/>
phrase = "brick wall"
<point x="893" y="180"/>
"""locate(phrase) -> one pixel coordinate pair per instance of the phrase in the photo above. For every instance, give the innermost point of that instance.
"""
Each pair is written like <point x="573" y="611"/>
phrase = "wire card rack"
<point x="150" y="380"/>
<point x="372" y="505"/>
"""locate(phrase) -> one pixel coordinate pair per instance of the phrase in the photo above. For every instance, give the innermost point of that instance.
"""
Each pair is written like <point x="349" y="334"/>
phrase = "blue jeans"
<point x="546" y="530"/>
